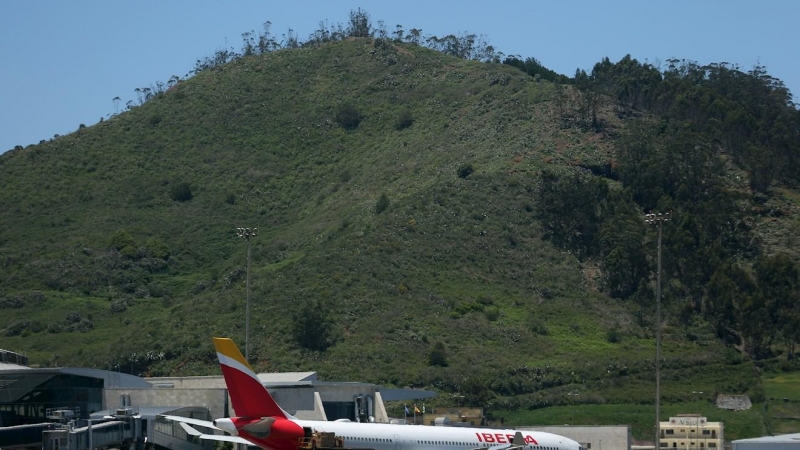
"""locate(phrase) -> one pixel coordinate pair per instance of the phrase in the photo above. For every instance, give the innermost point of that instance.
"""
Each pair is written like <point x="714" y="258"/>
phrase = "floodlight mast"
<point x="658" y="219"/>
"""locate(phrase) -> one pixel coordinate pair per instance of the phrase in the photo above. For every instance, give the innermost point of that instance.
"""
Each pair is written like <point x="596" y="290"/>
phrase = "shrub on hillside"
<point x="122" y="239"/>
<point x="348" y="116"/>
<point x="538" y="327"/>
<point x="465" y="171"/>
<point x="382" y="204"/>
<point x="484" y="299"/>
<point x="404" y="120"/>
<point x="118" y="306"/>
<point x="155" y="248"/>
<point x="55" y="328"/>
<point x="312" y="326"/>
<point x="437" y="355"/>
<point x="16" y="328"/>
<point x="12" y="302"/>
<point x="181" y="192"/>
<point x="153" y="265"/>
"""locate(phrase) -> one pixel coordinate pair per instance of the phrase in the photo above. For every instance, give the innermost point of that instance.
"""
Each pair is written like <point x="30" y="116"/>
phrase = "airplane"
<point x="263" y="423"/>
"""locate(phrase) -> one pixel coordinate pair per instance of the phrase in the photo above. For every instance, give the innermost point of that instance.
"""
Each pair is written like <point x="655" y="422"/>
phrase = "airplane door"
<point x="397" y="444"/>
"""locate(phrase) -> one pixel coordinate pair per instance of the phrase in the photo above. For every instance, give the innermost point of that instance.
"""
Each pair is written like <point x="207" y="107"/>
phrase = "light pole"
<point x="658" y="219"/>
<point x="573" y="394"/>
<point x="697" y="424"/>
<point x="247" y="233"/>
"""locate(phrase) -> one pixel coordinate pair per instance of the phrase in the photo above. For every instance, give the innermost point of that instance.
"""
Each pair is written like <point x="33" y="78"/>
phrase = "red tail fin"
<point x="249" y="397"/>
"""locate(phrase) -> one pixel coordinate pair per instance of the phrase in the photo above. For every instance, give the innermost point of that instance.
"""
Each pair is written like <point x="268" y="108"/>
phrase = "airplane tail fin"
<point x="249" y="397"/>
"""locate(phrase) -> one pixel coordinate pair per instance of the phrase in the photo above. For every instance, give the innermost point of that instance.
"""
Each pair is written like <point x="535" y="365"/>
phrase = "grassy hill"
<point x="119" y="249"/>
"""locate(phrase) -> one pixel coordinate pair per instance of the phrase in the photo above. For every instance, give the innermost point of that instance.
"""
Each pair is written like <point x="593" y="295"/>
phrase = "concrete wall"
<point x="598" y="438"/>
<point x="380" y="409"/>
<point x="214" y="399"/>
<point x="318" y="413"/>
<point x="294" y="399"/>
<point x="302" y="401"/>
<point x="208" y="382"/>
<point x="340" y="393"/>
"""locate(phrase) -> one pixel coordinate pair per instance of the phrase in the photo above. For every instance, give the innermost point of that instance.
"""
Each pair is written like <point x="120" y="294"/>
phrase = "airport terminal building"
<point x="79" y="409"/>
<point x="91" y="407"/>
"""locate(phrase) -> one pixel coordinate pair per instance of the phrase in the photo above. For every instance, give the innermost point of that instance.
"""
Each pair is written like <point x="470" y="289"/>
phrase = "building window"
<point x="670" y="431"/>
<point x="706" y="431"/>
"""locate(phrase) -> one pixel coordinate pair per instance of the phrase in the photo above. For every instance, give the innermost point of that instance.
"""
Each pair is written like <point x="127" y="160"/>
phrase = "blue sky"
<point x="62" y="62"/>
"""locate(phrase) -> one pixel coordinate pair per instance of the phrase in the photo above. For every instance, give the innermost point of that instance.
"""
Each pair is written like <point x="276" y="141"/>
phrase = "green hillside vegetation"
<point x="431" y="214"/>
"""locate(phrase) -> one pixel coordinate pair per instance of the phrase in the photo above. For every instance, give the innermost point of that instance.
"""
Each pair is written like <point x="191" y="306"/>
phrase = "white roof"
<point x="779" y="439"/>
<point x="287" y="377"/>
<point x="9" y="366"/>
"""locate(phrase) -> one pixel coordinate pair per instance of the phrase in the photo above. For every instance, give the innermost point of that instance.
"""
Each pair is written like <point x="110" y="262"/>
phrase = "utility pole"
<point x="247" y="233"/>
<point x="658" y="219"/>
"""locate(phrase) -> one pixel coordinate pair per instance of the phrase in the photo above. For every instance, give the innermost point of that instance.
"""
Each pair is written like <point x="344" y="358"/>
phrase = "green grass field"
<point x="641" y="418"/>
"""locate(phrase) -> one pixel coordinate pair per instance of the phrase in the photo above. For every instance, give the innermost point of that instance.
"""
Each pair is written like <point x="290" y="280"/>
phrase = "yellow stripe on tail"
<point x="229" y="349"/>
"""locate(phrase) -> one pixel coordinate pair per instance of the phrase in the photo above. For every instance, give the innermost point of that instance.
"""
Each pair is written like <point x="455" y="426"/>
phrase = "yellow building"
<point x="691" y="432"/>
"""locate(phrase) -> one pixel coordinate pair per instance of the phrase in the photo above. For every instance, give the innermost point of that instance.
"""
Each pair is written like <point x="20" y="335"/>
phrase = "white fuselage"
<point x="408" y="437"/>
